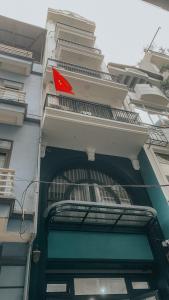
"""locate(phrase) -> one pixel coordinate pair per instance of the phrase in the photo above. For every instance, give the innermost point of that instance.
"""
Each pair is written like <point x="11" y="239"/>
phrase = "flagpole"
<point x="153" y="38"/>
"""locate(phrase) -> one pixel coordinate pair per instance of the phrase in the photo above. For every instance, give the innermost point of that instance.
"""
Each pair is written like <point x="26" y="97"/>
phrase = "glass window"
<point x="56" y="288"/>
<point x="152" y="116"/>
<point x="144" y="116"/>
<point x="155" y="118"/>
<point x="139" y="285"/>
<point x="2" y="160"/>
<point x="5" y="151"/>
<point x="87" y="185"/>
<point x="99" y="286"/>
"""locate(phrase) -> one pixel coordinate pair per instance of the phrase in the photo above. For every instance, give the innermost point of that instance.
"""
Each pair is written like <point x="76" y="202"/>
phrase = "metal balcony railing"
<point x="156" y="136"/>
<point x="78" y="46"/>
<point x="11" y="94"/>
<point x="15" y="51"/>
<point x="82" y="70"/>
<point x="92" y="109"/>
<point x="6" y="183"/>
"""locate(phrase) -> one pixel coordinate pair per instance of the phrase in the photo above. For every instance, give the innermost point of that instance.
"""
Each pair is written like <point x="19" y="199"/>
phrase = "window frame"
<point x="8" y="153"/>
<point x="128" y="278"/>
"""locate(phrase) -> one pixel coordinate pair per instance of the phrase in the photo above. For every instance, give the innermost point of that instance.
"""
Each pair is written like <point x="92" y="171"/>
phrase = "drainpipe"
<point x="35" y="224"/>
<point x="27" y="272"/>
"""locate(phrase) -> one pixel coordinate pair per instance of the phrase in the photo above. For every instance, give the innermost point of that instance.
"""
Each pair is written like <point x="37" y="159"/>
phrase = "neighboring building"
<point x="21" y="49"/>
<point x="98" y="234"/>
<point x="160" y="3"/>
<point x="148" y="96"/>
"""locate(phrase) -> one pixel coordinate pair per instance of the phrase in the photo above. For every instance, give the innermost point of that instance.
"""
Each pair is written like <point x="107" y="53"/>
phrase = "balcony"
<point x="71" y="19"/>
<point x="150" y="95"/>
<point x="12" y="106"/>
<point x="76" y="53"/>
<point x="78" y="46"/>
<point x="89" y="84"/>
<point x="75" y="124"/>
<point x="15" y="60"/>
<point x="158" y="58"/>
<point x="7" y="201"/>
<point x="74" y="34"/>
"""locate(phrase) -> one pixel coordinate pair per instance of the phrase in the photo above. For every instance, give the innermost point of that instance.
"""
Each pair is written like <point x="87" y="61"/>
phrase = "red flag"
<point x="61" y="84"/>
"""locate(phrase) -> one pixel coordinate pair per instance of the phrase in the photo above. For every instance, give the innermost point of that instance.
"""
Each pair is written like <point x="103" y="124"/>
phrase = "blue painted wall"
<point x="156" y="195"/>
<point x="96" y="245"/>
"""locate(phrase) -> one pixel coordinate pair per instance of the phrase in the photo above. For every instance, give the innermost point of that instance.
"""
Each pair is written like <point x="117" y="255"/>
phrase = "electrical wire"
<point x="88" y="184"/>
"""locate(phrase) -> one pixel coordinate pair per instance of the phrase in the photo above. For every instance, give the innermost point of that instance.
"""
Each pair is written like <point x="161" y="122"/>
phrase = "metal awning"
<point x="87" y="213"/>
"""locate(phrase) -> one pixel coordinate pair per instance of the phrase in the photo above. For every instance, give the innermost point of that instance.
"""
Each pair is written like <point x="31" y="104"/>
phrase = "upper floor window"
<point x="87" y="185"/>
<point x="153" y="116"/>
<point x="5" y="152"/>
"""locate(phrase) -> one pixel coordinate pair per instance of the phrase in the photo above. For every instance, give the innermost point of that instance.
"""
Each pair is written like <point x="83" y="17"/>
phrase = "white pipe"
<point x="27" y="272"/>
<point x="35" y="224"/>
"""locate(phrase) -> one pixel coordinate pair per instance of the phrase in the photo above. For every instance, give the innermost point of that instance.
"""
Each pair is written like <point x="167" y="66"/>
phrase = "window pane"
<point x="2" y="160"/>
<point x="155" y="119"/>
<point x="56" y="288"/>
<point x="144" y="116"/>
<point x="140" y="285"/>
<point x="99" y="286"/>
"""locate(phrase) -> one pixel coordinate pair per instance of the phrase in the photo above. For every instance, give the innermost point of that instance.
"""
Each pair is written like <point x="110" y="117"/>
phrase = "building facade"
<point x="148" y="96"/>
<point x="21" y="48"/>
<point x="97" y="225"/>
<point x="101" y="231"/>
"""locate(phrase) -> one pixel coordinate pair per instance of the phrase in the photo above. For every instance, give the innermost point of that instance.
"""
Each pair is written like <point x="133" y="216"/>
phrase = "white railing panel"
<point x="10" y="94"/>
<point x="6" y="182"/>
<point x="15" y="51"/>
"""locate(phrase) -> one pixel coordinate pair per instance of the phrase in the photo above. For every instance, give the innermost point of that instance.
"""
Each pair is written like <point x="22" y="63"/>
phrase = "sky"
<point x="123" y="27"/>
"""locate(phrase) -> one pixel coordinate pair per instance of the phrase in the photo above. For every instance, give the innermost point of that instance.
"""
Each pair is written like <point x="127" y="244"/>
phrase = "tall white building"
<point x="98" y="230"/>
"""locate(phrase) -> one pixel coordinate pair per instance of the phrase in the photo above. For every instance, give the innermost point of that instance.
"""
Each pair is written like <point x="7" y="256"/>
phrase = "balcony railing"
<point x="6" y="183"/>
<point x="15" y="51"/>
<point x="157" y="136"/>
<point x="78" y="46"/>
<point x="12" y="95"/>
<point x="82" y="70"/>
<point x="92" y="109"/>
<point x="79" y="30"/>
